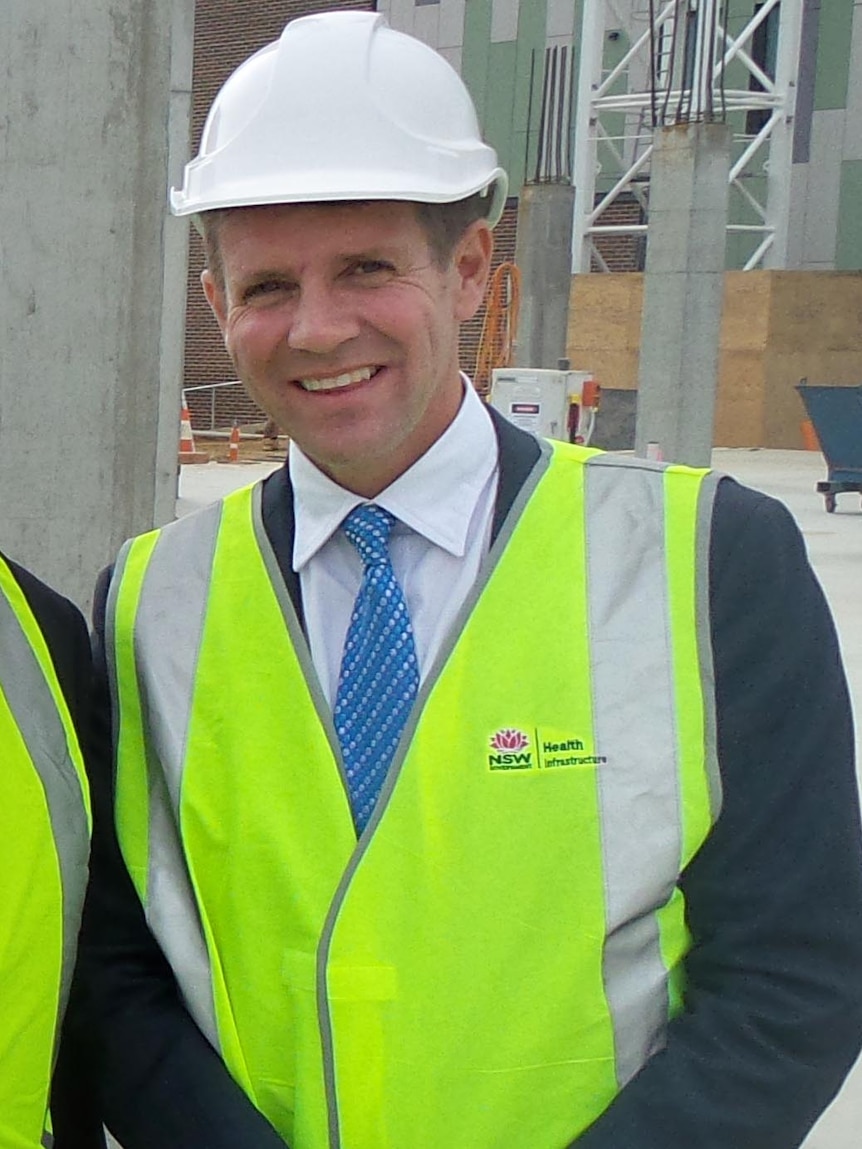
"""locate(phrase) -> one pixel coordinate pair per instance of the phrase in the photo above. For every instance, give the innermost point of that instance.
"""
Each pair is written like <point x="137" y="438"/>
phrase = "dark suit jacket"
<point x="73" y="1104"/>
<point x="773" y="1015"/>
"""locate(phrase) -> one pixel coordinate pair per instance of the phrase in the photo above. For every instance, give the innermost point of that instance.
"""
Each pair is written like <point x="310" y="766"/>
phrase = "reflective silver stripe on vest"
<point x="295" y="631"/>
<point x="635" y="726"/>
<point x="706" y="503"/>
<point x="167" y="644"/>
<point x="41" y="726"/>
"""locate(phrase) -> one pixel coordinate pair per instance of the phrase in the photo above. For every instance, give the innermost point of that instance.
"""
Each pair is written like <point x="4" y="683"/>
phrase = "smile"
<point x="334" y="382"/>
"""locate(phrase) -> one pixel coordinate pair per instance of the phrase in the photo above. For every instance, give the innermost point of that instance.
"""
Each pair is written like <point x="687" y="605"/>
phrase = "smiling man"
<point x="472" y="791"/>
<point x="343" y="325"/>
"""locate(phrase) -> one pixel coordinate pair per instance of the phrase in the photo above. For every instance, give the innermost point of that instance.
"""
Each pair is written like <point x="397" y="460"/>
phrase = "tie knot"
<point x="368" y="527"/>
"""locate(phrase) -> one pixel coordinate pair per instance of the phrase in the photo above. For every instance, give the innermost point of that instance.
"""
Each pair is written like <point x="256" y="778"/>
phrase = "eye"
<point x="364" y="268"/>
<point x="265" y="287"/>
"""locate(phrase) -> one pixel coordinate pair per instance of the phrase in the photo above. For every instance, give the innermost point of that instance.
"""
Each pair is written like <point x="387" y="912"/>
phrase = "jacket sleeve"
<point x="773" y="1007"/>
<point x="163" y="1085"/>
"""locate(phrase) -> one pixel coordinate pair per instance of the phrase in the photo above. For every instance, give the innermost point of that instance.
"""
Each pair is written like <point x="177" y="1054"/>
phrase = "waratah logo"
<point x="509" y="739"/>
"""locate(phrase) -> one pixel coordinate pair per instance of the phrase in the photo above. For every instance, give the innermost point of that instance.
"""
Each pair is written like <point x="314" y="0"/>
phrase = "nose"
<point x="320" y="321"/>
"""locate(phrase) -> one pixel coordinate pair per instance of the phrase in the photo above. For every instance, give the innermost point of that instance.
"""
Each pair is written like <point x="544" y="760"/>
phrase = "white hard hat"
<point x="342" y="107"/>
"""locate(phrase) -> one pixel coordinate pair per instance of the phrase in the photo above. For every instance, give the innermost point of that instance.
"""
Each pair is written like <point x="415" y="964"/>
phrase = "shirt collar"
<point x="436" y="497"/>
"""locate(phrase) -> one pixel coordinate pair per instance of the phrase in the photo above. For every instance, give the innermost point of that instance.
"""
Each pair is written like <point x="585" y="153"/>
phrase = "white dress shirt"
<point x="443" y="506"/>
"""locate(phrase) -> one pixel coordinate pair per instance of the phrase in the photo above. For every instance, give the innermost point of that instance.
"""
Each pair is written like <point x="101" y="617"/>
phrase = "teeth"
<point x="336" y="381"/>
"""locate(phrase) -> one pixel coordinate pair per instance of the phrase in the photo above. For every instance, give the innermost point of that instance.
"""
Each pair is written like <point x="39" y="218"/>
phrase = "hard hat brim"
<point x="182" y="203"/>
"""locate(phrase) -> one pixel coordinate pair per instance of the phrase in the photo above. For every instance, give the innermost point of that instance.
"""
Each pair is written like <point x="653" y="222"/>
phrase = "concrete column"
<point x="544" y="256"/>
<point x="92" y="279"/>
<point x="683" y="292"/>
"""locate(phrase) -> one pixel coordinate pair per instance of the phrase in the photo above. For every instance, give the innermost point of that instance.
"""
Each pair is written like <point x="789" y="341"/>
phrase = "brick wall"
<point x="621" y="252"/>
<point x="505" y="234"/>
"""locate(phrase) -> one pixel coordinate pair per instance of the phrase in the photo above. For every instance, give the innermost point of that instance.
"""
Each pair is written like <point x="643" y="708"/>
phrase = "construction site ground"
<point x="253" y="448"/>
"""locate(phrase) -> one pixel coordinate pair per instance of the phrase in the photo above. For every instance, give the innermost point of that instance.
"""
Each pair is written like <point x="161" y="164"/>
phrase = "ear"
<point x="215" y="298"/>
<point x="472" y="263"/>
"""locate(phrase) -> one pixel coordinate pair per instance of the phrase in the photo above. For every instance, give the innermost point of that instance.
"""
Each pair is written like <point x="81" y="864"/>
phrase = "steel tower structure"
<point x="671" y="75"/>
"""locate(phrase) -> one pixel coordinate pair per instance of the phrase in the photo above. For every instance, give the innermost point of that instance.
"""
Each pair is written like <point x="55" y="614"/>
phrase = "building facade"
<point x="522" y="61"/>
<point x="498" y="47"/>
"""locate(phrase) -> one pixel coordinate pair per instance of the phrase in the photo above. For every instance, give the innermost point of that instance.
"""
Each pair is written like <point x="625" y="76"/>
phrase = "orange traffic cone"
<point x="233" y="444"/>
<point x="187" y="452"/>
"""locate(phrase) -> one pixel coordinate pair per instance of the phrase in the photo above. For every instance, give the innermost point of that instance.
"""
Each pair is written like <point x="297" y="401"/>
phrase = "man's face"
<point x="345" y="331"/>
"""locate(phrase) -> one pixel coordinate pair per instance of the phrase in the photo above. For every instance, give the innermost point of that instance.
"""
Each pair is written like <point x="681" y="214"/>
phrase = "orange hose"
<point x="500" y="327"/>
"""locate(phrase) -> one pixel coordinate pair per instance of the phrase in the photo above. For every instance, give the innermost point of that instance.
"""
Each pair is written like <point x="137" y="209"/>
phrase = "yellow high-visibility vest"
<point x="44" y="848"/>
<point x="502" y="949"/>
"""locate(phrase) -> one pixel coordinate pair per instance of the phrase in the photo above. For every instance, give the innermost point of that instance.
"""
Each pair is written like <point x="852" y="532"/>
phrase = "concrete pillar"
<point x="683" y="292"/>
<point x="95" y="102"/>
<point x="544" y="256"/>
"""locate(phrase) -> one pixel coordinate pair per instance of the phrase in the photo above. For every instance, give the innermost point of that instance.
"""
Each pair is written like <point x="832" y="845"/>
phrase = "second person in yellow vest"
<point x="45" y="687"/>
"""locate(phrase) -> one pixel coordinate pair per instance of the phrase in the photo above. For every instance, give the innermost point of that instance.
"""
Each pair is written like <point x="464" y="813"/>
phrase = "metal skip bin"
<point x="836" y="415"/>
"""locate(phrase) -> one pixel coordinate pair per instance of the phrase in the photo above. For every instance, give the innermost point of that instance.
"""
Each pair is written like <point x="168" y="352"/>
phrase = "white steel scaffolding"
<point x="667" y="76"/>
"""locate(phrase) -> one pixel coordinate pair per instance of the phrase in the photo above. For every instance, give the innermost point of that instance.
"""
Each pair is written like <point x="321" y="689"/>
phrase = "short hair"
<point x="445" y="223"/>
<point x="442" y="223"/>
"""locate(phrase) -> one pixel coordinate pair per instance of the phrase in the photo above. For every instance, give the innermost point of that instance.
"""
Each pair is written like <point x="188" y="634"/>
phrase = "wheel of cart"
<point x="836" y="415"/>
<point x="829" y="496"/>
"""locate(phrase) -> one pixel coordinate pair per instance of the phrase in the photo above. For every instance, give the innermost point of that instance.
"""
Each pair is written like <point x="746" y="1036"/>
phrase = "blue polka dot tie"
<point x="379" y="671"/>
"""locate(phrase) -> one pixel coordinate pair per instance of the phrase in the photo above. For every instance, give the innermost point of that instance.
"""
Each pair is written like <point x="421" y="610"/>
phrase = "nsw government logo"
<point x="510" y="750"/>
<point x="543" y="749"/>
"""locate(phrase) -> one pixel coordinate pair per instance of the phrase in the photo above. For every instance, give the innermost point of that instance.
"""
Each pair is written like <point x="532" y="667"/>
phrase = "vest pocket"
<point x="359" y="983"/>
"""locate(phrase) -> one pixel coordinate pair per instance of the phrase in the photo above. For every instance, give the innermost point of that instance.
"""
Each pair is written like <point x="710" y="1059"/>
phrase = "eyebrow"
<point x="382" y="254"/>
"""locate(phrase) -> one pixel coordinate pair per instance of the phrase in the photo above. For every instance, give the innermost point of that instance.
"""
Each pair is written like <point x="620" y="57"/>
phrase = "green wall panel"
<point x="742" y="245"/>
<point x="498" y="76"/>
<point x="532" y="25"/>
<point x="497" y="122"/>
<point x="833" y="54"/>
<point x="849" y="245"/>
<point x="475" y="53"/>
<point x="579" y="23"/>
<point x="615" y="123"/>
<point x="614" y="51"/>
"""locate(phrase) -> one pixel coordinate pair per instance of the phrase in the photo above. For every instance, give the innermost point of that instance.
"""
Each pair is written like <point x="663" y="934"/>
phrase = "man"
<point x="477" y="791"/>
<point x="45" y="682"/>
